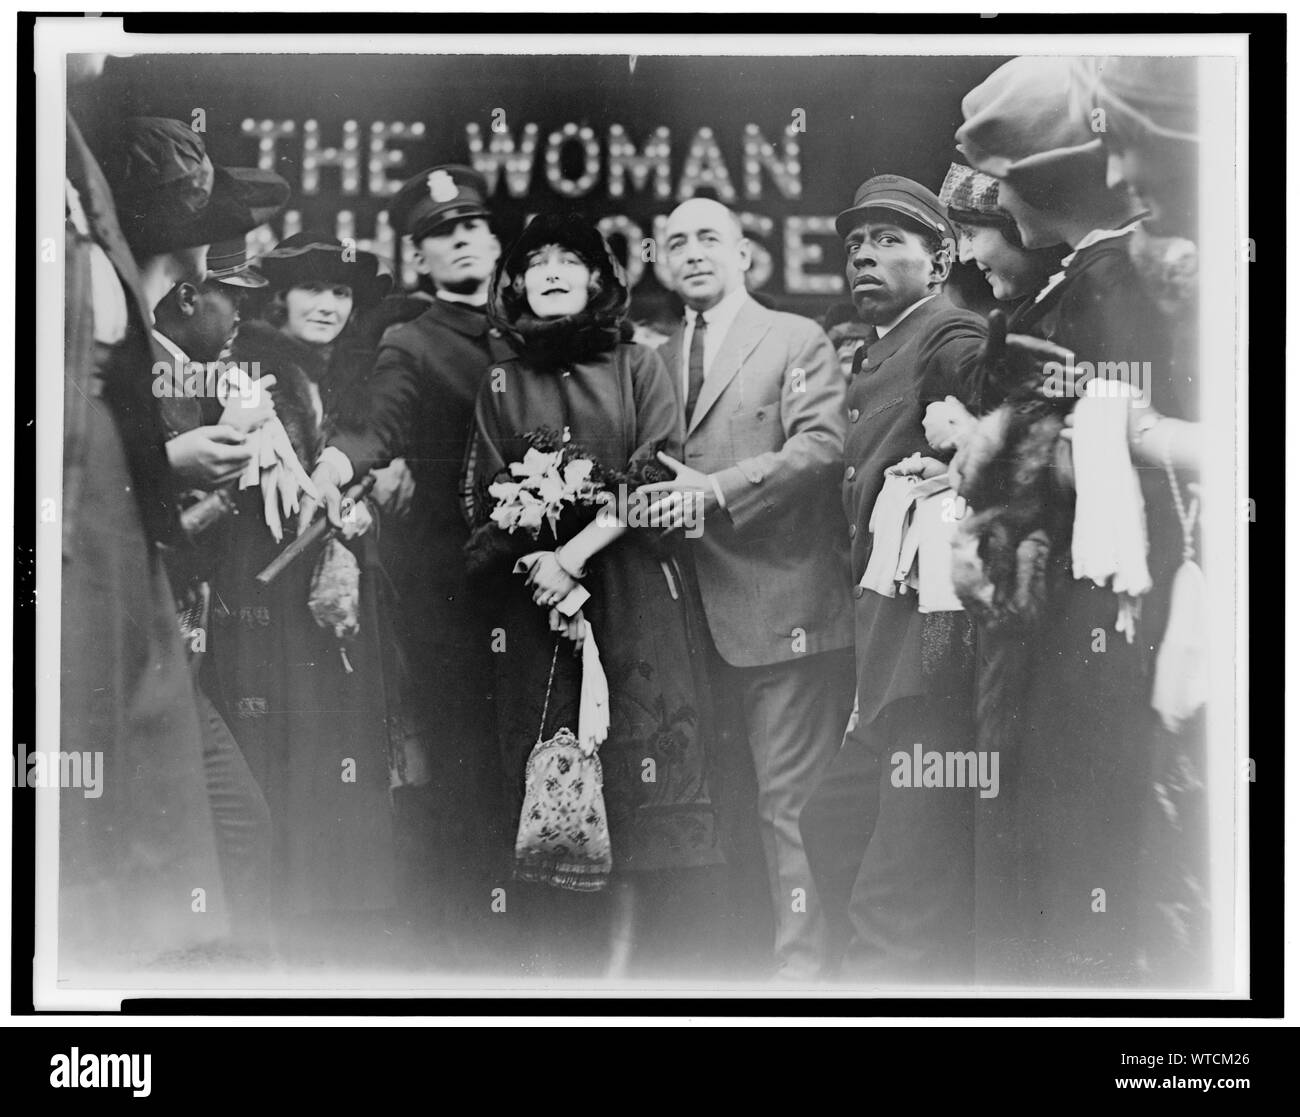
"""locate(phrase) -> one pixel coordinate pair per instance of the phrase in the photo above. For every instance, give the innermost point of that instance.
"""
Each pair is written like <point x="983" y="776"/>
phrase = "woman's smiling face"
<point x="317" y="312"/>
<point x="556" y="281"/>
<point x="1012" y="272"/>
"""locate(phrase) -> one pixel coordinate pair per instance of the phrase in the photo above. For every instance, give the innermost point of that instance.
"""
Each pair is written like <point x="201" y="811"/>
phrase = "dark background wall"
<point x="862" y="116"/>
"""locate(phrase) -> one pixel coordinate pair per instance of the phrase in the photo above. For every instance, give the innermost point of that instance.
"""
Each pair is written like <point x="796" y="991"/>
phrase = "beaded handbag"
<point x="563" y="837"/>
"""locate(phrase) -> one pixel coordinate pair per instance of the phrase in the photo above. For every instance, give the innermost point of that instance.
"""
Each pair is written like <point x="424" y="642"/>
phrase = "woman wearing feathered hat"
<point x="574" y="391"/>
<point x="300" y="660"/>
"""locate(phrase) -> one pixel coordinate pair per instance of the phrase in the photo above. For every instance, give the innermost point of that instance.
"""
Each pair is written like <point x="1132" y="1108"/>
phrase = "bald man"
<point x="762" y="399"/>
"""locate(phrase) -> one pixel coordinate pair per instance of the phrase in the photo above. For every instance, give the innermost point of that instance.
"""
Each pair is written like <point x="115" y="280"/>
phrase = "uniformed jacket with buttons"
<point x="422" y="394"/>
<point x="769" y="423"/>
<point x="932" y="353"/>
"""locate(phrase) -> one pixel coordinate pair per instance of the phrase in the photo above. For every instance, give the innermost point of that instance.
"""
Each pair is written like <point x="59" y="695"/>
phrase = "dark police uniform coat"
<point x="422" y="395"/>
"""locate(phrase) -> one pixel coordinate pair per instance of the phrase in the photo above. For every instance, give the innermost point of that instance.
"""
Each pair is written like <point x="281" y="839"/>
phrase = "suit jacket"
<point x="932" y="353"/>
<point x="769" y="423"/>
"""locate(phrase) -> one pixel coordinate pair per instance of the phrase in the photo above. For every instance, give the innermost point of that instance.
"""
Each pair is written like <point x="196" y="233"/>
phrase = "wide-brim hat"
<point x="308" y="257"/>
<point x="900" y="198"/>
<point x="1022" y="120"/>
<point x="436" y="197"/>
<point x="170" y="196"/>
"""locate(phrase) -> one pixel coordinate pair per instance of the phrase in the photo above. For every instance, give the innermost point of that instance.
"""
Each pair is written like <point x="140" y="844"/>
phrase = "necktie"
<point x="860" y="354"/>
<point x="695" y="365"/>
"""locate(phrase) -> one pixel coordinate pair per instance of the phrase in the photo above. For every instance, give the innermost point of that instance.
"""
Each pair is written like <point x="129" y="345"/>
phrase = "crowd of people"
<point x="464" y="631"/>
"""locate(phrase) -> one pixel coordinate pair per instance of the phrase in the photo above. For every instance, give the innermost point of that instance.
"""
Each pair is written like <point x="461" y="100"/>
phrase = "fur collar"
<point x="340" y="379"/>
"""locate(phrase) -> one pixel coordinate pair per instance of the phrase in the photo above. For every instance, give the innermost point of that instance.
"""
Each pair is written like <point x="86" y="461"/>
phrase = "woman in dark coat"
<point x="306" y="698"/>
<point x="1059" y="884"/>
<point x="562" y="299"/>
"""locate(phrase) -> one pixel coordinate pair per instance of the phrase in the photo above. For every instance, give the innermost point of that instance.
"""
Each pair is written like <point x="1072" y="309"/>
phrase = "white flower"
<point x="549" y="488"/>
<point x="506" y="516"/>
<point x="530" y="515"/>
<point x="535" y="464"/>
<point x="576" y="472"/>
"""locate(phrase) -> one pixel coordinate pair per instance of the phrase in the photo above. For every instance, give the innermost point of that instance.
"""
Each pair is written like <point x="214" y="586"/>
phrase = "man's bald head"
<point x="708" y="253"/>
<point x="701" y="212"/>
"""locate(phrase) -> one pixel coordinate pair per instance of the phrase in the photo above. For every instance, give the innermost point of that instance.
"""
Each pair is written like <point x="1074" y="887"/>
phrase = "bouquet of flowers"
<point x="553" y="477"/>
<point x="555" y="490"/>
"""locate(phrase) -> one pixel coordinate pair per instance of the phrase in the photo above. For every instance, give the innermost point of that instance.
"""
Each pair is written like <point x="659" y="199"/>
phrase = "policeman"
<point x="426" y="380"/>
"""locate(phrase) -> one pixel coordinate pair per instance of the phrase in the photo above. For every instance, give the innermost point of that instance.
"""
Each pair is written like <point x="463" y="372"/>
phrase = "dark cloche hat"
<point x="309" y="257"/>
<point x="439" y="196"/>
<point x="507" y="302"/>
<point x="170" y="196"/>
<point x="1020" y="122"/>
<point x="900" y="196"/>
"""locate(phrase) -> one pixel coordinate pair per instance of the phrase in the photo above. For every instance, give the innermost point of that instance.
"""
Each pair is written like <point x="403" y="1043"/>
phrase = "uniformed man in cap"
<point x="425" y="383"/>
<point x="897" y="861"/>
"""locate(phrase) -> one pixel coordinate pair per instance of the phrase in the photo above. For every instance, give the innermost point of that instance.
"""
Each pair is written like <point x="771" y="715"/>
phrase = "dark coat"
<point x="422" y="392"/>
<point x="932" y="353"/>
<point x="1074" y="778"/>
<point x="130" y="859"/>
<point x="310" y="715"/>
<point x="619" y="407"/>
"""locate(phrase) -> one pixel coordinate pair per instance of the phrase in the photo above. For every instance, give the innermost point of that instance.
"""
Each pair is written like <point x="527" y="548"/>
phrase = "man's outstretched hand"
<point x="670" y="507"/>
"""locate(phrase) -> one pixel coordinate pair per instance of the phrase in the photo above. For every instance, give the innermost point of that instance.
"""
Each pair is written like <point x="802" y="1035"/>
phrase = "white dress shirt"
<point x="882" y="330"/>
<point x="478" y="300"/>
<point x="182" y="363"/>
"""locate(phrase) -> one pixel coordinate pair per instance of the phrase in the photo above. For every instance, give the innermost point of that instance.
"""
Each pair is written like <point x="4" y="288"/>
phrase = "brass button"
<point x="853" y="530"/>
<point x="854" y="415"/>
<point x="858" y="591"/>
<point x="850" y="473"/>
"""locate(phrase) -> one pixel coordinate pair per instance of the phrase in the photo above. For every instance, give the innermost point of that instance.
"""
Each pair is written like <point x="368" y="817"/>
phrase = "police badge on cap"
<point x="439" y="196"/>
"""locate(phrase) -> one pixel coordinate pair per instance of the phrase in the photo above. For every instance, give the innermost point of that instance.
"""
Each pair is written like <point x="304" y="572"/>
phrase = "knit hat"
<point x="971" y="197"/>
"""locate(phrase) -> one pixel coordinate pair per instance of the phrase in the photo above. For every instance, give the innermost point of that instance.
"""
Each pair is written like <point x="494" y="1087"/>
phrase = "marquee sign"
<point x="574" y="163"/>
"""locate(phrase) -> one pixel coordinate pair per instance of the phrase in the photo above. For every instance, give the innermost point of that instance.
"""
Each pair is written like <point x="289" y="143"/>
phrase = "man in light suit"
<point x="763" y="405"/>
